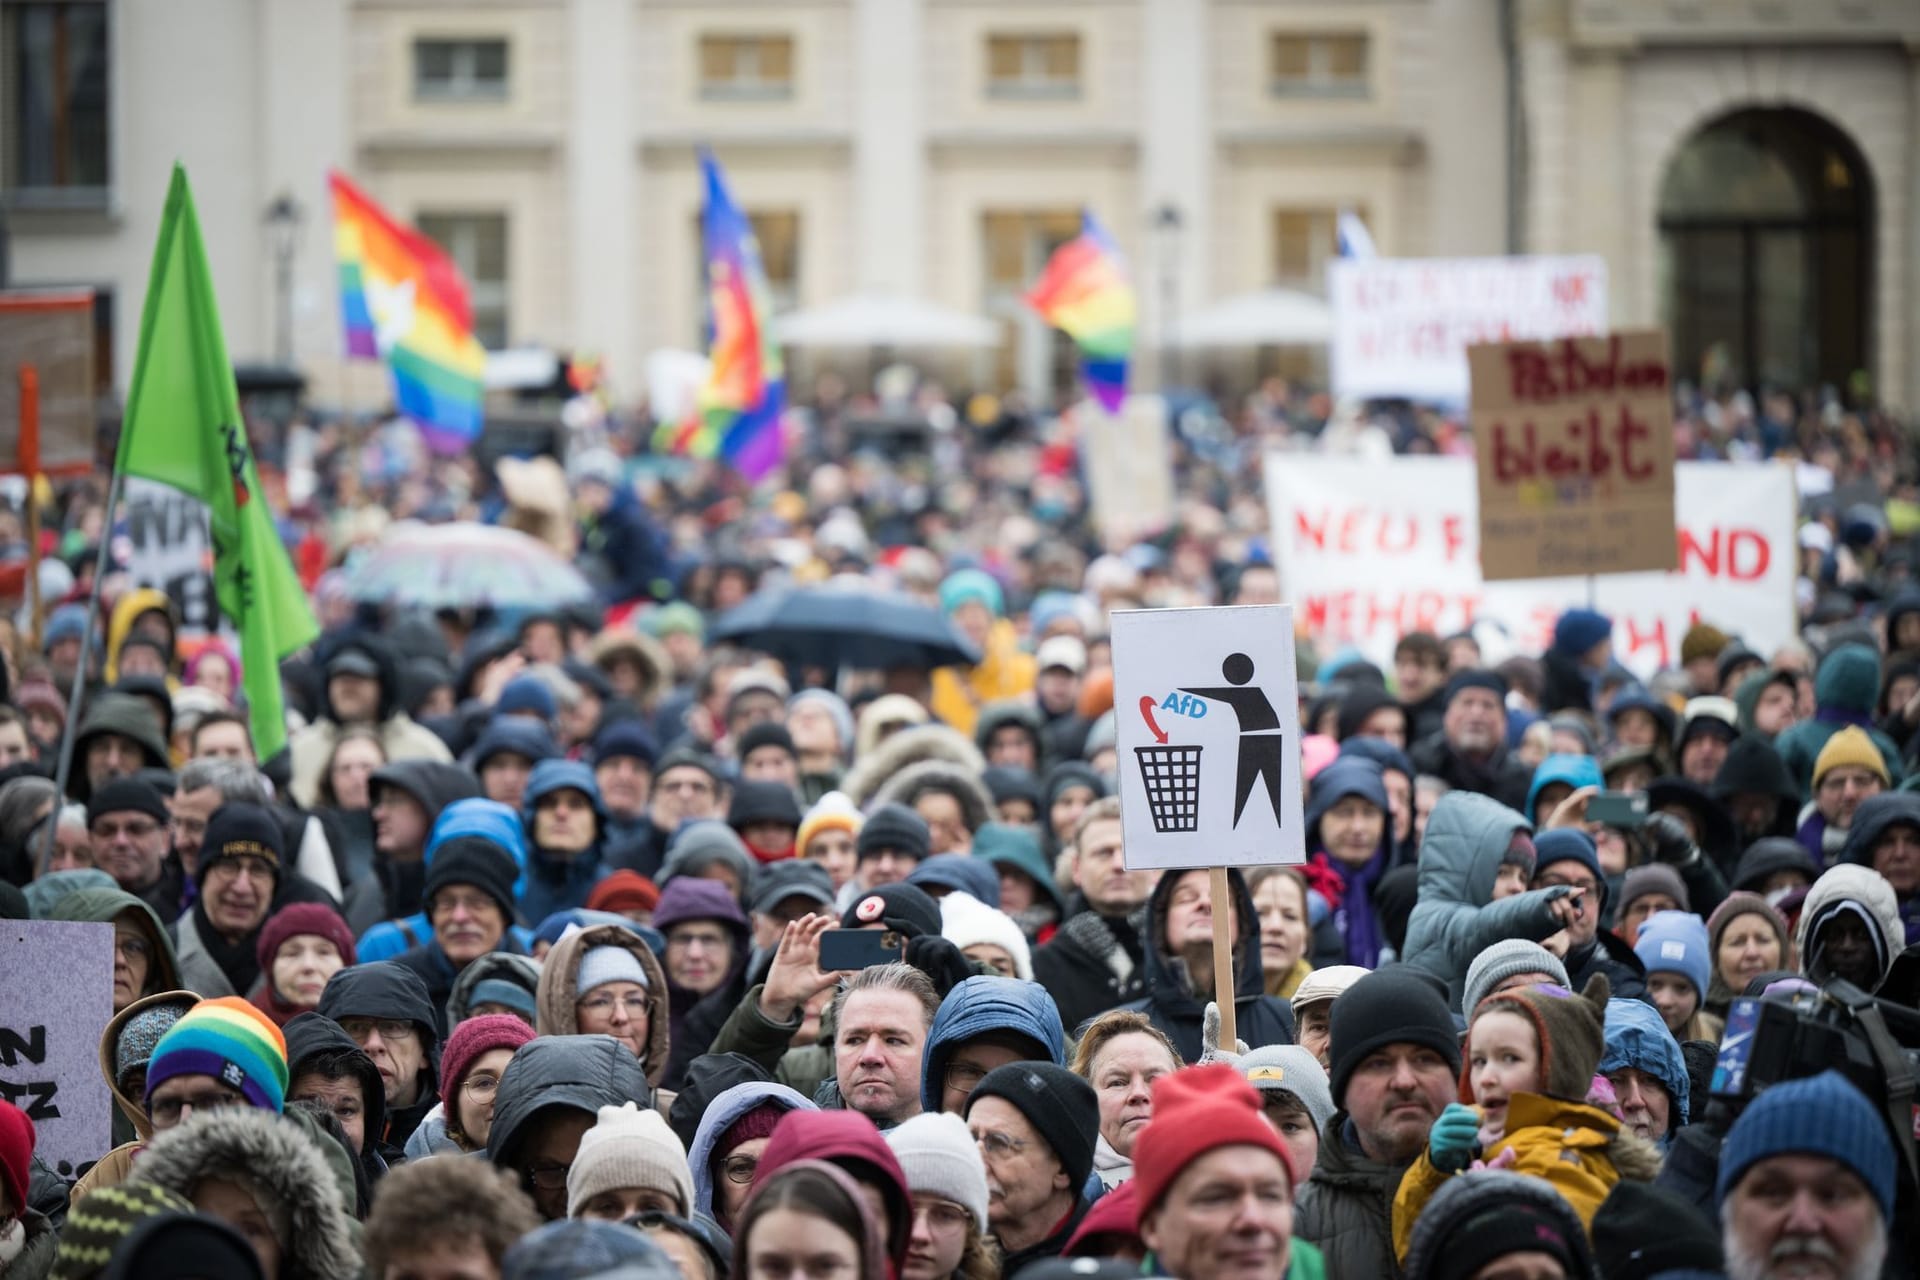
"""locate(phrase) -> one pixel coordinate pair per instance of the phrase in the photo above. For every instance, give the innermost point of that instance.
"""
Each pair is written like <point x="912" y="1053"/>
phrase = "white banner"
<point x="1401" y="327"/>
<point x="1370" y="550"/>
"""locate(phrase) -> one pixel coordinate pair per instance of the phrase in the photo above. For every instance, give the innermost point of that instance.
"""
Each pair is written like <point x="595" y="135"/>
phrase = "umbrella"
<point x="1270" y="318"/>
<point x="845" y="627"/>
<point x="465" y="565"/>
<point x="883" y="320"/>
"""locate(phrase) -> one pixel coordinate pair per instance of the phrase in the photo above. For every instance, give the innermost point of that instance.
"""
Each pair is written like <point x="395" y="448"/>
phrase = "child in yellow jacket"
<point x="1531" y="1054"/>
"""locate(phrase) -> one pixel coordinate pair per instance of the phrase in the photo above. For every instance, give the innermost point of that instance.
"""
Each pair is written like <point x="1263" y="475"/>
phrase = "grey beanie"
<point x="1501" y="961"/>
<point x="1287" y="1068"/>
<point x="699" y="845"/>
<point x="142" y="1031"/>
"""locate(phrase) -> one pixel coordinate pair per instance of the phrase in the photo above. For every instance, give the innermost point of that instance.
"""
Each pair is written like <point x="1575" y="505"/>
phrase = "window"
<point x="1033" y="66"/>
<point x="1320" y="65"/>
<point x="1304" y="241"/>
<point x="1016" y="244"/>
<point x="53" y="66"/>
<point x="477" y="243"/>
<point x="746" y="68"/>
<point x="777" y="232"/>
<point x="459" y="70"/>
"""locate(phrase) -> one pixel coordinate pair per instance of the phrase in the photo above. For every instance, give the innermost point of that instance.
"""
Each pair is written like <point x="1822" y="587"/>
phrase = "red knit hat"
<point x="474" y="1037"/>
<point x="625" y="890"/>
<point x="1196" y="1110"/>
<point x="1114" y="1216"/>
<point x="16" y="1155"/>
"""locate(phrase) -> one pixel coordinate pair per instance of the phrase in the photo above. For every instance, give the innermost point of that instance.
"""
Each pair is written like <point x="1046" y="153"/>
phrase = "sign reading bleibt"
<point x="1574" y="439"/>
<point x="1207" y="713"/>
<point x="59" y="1000"/>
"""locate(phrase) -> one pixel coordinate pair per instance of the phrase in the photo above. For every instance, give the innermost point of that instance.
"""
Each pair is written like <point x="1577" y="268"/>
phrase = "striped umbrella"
<point x="465" y="565"/>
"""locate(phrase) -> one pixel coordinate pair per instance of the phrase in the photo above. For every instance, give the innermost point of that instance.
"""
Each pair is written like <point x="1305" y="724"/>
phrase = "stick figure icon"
<point x="1260" y="739"/>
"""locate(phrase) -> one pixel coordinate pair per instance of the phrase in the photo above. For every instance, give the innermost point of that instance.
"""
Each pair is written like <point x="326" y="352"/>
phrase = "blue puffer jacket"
<point x="488" y="819"/>
<point x="1638" y="1038"/>
<point x="559" y="884"/>
<point x="727" y="1106"/>
<point x="981" y="1004"/>
<point x="1574" y="771"/>
<point x="1456" y="918"/>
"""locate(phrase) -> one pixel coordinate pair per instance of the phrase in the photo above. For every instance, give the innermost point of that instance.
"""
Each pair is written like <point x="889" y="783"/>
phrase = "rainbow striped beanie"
<point x="231" y="1041"/>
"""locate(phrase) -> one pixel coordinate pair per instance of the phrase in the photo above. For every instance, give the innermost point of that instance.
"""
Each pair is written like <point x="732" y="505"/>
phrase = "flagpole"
<point x="65" y="768"/>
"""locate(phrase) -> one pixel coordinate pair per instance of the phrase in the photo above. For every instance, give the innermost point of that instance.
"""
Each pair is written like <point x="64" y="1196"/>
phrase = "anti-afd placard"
<point x="1574" y="439"/>
<point x="1207" y="713"/>
<point x="59" y="978"/>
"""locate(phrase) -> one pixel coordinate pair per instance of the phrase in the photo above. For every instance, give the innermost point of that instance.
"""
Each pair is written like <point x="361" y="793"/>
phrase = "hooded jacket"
<point x="391" y="992"/>
<point x="1845" y="689"/>
<point x="559" y="990"/>
<point x="403" y="738"/>
<point x="697" y="1019"/>
<point x="840" y="1137"/>
<point x="872" y="769"/>
<point x="1878" y="909"/>
<point x="964" y="785"/>
<point x="131" y="1127"/>
<point x="582" y="1072"/>
<point x="521" y="970"/>
<point x="1456" y="918"/>
<point x="1753" y="767"/>
<point x="561" y="883"/>
<point x="1572" y="771"/>
<point x="1170" y="1003"/>
<point x="983" y="1004"/>
<point x="1637" y="1037"/>
<point x="1871" y="821"/>
<point x="1021" y="715"/>
<point x="1348" y="890"/>
<point x="308" y="1036"/>
<point x="394" y="889"/>
<point x="1002" y="672"/>
<point x="126" y="611"/>
<point x="1093" y="963"/>
<point x="1746" y="699"/>
<point x="275" y="1157"/>
<point x="104" y="906"/>
<point x="726" y="1107"/>
<point x="129" y="717"/>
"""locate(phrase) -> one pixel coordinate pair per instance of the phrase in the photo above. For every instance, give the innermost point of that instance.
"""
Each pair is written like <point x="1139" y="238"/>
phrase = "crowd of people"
<point x="574" y="942"/>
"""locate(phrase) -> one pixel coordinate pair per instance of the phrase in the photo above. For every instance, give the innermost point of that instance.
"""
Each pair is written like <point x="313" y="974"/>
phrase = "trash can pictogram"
<point x="1172" y="778"/>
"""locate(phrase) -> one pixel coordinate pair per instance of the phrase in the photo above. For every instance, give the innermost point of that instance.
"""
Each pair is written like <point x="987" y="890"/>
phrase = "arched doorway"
<point x="1766" y="248"/>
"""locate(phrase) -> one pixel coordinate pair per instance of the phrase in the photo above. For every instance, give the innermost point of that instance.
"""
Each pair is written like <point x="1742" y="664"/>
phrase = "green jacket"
<point x="751" y="1032"/>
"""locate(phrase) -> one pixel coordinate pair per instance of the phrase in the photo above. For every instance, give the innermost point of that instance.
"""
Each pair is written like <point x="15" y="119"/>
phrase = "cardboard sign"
<point x="52" y="330"/>
<point x="1401" y="327"/>
<point x="59" y="1001"/>
<point x="167" y="548"/>
<point x="1369" y="550"/>
<point x="1208" y="733"/>
<point x="1574" y="441"/>
<point x="1129" y="472"/>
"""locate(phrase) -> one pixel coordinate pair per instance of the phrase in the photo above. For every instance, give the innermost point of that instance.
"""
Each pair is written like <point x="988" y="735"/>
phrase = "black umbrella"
<point x="845" y="627"/>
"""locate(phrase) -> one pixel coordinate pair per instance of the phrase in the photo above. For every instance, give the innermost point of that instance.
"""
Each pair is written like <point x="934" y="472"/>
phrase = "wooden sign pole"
<point x="1222" y="899"/>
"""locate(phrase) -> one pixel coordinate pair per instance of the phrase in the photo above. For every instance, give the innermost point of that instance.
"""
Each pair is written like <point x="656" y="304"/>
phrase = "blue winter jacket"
<point x="727" y="1106"/>
<point x="558" y="884"/>
<point x="981" y="1004"/>
<point x="1638" y="1038"/>
<point x="488" y="819"/>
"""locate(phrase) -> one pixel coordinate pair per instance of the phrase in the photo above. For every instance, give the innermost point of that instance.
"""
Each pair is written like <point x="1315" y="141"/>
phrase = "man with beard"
<point x="1396" y="1063"/>
<point x="239" y="874"/>
<point x="469" y="898"/>
<point x="385" y="1009"/>
<point x="1470" y="751"/>
<point x="1097" y="960"/>
<point x="1806" y="1184"/>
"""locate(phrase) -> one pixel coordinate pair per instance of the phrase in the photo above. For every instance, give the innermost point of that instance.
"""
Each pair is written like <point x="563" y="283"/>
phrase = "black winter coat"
<point x="1088" y="969"/>
<point x="1262" y="1019"/>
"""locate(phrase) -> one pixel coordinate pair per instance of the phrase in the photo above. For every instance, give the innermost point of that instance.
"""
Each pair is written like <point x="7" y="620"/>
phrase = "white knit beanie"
<point x="601" y="965"/>
<point x="628" y="1147"/>
<point x="939" y="1157"/>
<point x="965" y="920"/>
<point x="1503" y="960"/>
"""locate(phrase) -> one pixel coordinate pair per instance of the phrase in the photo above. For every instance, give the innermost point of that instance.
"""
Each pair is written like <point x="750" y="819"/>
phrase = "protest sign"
<point x="53" y="331"/>
<point x="59" y="1001"/>
<point x="1208" y="732"/>
<point x="1401" y="327"/>
<point x="167" y="549"/>
<point x="1370" y="549"/>
<point x="1129" y="472"/>
<point x="1574" y="440"/>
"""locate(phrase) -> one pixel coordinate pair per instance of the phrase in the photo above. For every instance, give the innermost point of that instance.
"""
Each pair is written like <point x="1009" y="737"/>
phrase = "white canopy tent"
<point x="1269" y="318"/>
<point x="883" y="320"/>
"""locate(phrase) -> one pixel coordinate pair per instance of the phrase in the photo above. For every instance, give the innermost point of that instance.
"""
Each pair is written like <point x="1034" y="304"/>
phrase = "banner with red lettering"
<point x="1369" y="550"/>
<point x="1402" y="326"/>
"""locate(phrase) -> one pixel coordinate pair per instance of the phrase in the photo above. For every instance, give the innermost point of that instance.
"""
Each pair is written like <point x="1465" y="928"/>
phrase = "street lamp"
<point x="1167" y="223"/>
<point x="283" y="219"/>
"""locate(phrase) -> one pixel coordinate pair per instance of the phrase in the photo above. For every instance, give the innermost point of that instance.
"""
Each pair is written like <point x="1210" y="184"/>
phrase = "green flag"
<point x="183" y="428"/>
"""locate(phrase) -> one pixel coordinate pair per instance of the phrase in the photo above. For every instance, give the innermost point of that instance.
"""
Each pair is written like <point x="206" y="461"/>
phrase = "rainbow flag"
<point x="403" y="301"/>
<point x="1084" y="290"/>
<point x="737" y="413"/>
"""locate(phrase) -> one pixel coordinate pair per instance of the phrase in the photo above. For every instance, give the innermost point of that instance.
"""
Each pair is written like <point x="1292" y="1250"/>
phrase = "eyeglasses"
<point x="360" y="1029"/>
<point x="998" y="1146"/>
<point x="604" y="1004"/>
<point x="688" y="941"/>
<point x="480" y="1087"/>
<point x="241" y="864"/>
<point x="740" y="1169"/>
<point x="472" y="903"/>
<point x="167" y="1111"/>
<point x="131" y="948"/>
<point x="548" y="1177"/>
<point x="964" y="1076"/>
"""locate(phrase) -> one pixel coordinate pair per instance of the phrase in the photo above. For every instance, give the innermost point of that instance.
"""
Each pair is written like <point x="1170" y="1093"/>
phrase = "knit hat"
<point x="140" y="1033"/>
<point x="1568" y="844"/>
<point x="940" y="1158"/>
<point x="1823" y="1115"/>
<point x="1578" y="630"/>
<point x="757" y="1122"/>
<point x="238" y="829"/>
<point x="1740" y="903"/>
<point x="768" y="733"/>
<point x="575" y="1247"/>
<point x="965" y="921"/>
<point x="127" y="795"/>
<point x="1703" y="640"/>
<point x="1503" y="960"/>
<point x="16" y="1154"/>
<point x="1197" y="1110"/>
<point x="1470" y="1222"/>
<point x="231" y="1041"/>
<point x="296" y="919"/>
<point x="1326" y="984"/>
<point x="623" y="891"/>
<point x="1676" y="942"/>
<point x="699" y="845"/>
<point x="628" y="1147"/>
<point x="1060" y="1106"/>
<point x="504" y="992"/>
<point x="836" y="707"/>
<point x="1651" y="877"/>
<point x="1389" y="1006"/>
<point x="895" y="827"/>
<point x="627" y="738"/>
<point x="1710" y="714"/>
<point x="1287" y="1068"/>
<point x="775" y="882"/>
<point x="1475" y="678"/>
<point x="601" y="965"/>
<point x="762" y="802"/>
<point x="98" y="1223"/>
<point x="476" y="1036"/>
<point x="1851" y="746"/>
<point x="475" y="861"/>
<point x="833" y="811"/>
<point x="1114" y="1217"/>
<point x="526" y="694"/>
<point x="1571" y="1030"/>
<point x="1641" y="1231"/>
<point x="904" y="908"/>
<point x="972" y="584"/>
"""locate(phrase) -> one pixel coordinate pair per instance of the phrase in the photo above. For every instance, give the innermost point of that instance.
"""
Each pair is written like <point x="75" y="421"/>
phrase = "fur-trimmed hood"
<point x="560" y="989"/>
<point x="273" y="1155"/>
<point x="958" y="781"/>
<point x="908" y="747"/>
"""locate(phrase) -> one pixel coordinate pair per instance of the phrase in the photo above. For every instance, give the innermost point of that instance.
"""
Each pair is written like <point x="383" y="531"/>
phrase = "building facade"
<point x="1749" y="169"/>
